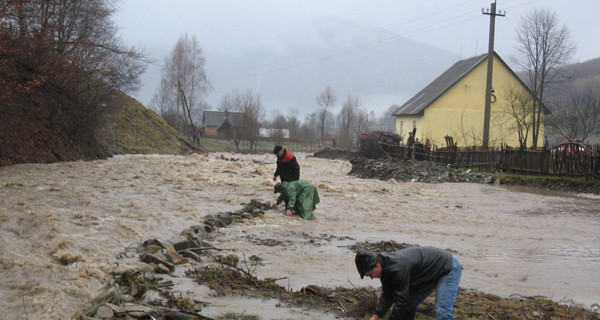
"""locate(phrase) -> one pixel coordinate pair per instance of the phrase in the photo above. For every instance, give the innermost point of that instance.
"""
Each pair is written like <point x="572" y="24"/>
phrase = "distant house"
<point x="221" y="123"/>
<point x="270" y="132"/>
<point x="453" y="105"/>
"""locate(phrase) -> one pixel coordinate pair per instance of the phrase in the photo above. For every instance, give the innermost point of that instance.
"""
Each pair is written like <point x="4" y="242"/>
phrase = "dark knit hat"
<point x="278" y="187"/>
<point x="365" y="261"/>
<point x="277" y="149"/>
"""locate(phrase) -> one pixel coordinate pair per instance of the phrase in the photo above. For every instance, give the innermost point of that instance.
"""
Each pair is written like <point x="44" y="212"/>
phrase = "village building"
<point x="452" y="106"/>
<point x="221" y="124"/>
<point x="266" y="133"/>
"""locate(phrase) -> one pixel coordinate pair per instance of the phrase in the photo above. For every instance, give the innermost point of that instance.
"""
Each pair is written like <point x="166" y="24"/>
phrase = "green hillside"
<point x="133" y="129"/>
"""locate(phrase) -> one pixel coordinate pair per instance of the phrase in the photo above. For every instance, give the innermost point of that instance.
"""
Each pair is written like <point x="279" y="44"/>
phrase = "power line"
<point x="274" y="67"/>
<point x="325" y="54"/>
<point x="356" y="39"/>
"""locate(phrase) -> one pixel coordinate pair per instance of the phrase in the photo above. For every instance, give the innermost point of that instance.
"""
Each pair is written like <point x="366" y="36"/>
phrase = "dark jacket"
<point x="411" y="138"/>
<point x="287" y="167"/>
<point x="408" y="271"/>
<point x="410" y="141"/>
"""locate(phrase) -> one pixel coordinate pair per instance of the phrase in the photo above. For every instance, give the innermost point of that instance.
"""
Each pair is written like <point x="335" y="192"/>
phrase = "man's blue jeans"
<point x="445" y="293"/>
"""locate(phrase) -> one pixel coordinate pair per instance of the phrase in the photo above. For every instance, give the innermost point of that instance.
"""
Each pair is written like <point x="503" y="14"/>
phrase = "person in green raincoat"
<point x="300" y="197"/>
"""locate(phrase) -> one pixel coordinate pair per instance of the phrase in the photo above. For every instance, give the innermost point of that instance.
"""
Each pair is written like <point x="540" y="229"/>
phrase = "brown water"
<point x="510" y="241"/>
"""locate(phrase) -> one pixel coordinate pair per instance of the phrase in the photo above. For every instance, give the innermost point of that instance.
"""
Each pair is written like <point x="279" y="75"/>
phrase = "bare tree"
<point x="519" y="112"/>
<point x="364" y="121"/>
<point x="184" y="83"/>
<point x="278" y="125"/>
<point x="310" y="129"/>
<point x="249" y="114"/>
<point x="293" y="124"/>
<point x="60" y="63"/>
<point x="162" y="100"/>
<point x="325" y="99"/>
<point x="307" y="134"/>
<point x="279" y="122"/>
<point x="387" y="122"/>
<point x="463" y="132"/>
<point x="73" y="45"/>
<point x="544" y="47"/>
<point x="348" y="121"/>
<point x="82" y="33"/>
<point x="578" y="116"/>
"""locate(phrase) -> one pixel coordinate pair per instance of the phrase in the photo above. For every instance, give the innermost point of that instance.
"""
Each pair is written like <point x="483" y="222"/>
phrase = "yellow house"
<point x="453" y="105"/>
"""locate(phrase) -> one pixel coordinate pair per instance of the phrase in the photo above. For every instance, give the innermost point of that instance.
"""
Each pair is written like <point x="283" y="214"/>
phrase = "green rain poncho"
<point x="300" y="196"/>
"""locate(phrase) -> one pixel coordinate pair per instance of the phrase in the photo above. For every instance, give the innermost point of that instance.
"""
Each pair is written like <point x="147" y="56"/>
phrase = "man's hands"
<point x="288" y="212"/>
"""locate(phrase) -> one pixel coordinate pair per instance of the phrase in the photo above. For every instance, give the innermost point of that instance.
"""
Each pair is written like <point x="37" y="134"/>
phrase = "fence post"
<point x="544" y="160"/>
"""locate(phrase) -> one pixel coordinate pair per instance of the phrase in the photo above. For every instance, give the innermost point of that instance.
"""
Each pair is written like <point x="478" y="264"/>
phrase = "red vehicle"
<point x="573" y="147"/>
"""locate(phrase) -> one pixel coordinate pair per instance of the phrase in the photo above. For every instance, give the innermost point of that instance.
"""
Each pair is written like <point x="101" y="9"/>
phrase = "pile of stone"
<point x="127" y="297"/>
<point x="329" y="153"/>
<point x="250" y="210"/>
<point x="413" y="171"/>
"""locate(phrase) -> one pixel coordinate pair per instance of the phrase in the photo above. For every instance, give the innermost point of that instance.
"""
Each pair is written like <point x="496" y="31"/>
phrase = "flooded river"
<point x="510" y="241"/>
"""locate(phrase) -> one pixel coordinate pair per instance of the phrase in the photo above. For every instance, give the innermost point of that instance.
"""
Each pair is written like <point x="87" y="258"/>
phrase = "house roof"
<point x="439" y="86"/>
<point x="417" y="104"/>
<point x="212" y="118"/>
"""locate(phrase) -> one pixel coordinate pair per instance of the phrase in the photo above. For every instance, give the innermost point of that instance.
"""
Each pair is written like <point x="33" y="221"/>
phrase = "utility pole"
<point x="488" y="88"/>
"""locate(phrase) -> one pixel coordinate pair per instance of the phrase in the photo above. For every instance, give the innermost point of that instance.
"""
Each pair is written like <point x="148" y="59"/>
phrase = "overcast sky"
<point x="228" y="26"/>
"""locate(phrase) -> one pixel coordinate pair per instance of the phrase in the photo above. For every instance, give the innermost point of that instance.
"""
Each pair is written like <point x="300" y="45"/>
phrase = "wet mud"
<point x="228" y="276"/>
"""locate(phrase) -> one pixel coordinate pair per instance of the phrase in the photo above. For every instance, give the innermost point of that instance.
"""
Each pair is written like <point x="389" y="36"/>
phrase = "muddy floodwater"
<point x="510" y="241"/>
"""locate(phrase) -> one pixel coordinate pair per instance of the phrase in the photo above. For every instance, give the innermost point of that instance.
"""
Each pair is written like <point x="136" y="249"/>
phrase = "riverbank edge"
<point x="432" y="172"/>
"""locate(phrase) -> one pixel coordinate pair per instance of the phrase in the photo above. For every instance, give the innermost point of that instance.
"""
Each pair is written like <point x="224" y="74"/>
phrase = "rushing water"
<point x="510" y="241"/>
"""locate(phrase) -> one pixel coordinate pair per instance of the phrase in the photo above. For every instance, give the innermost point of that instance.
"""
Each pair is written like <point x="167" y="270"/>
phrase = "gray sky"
<point x="232" y="26"/>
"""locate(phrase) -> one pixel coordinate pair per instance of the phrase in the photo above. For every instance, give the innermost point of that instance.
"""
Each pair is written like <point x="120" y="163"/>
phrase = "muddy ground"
<point x="147" y="295"/>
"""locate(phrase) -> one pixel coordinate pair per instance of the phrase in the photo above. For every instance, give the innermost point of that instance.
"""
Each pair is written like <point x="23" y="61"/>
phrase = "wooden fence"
<point x="566" y="159"/>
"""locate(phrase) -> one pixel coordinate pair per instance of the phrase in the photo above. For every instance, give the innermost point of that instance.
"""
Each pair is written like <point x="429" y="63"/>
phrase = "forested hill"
<point x="572" y="98"/>
<point x="577" y="75"/>
<point x="583" y="73"/>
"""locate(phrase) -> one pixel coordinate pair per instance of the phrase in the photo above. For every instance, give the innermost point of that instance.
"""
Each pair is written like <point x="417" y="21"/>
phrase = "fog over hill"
<point x="288" y="71"/>
<point x="378" y="66"/>
<point x="585" y="73"/>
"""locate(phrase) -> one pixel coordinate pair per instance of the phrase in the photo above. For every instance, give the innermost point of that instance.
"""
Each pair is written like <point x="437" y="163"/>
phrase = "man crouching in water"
<point x="408" y="276"/>
<point x="300" y="197"/>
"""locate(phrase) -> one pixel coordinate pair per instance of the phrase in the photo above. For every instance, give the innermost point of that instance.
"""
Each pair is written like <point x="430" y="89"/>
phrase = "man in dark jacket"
<point x="408" y="276"/>
<point x="410" y="142"/>
<point x="287" y="165"/>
